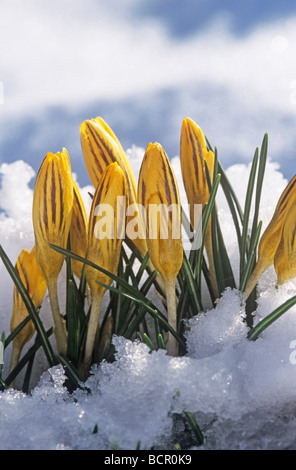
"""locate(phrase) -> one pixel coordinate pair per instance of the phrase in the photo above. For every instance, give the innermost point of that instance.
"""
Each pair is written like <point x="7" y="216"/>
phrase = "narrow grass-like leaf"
<point x="244" y="240"/>
<point x="2" y="349"/>
<point x="132" y="290"/>
<point x="250" y="263"/>
<point x="194" y="426"/>
<point x="260" y="177"/>
<point x="129" y="307"/>
<point x="263" y="324"/>
<point x="225" y="276"/>
<point x="71" y="372"/>
<point x="205" y="221"/>
<point x="152" y="310"/>
<point x="148" y="341"/>
<point x="160" y="341"/>
<point x="73" y="326"/>
<point x="191" y="285"/>
<point x="222" y="264"/>
<point x="232" y="200"/>
<point x="26" y="357"/>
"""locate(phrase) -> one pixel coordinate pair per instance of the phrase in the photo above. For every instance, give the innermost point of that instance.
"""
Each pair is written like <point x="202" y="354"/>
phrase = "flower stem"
<point x="92" y="331"/>
<point x="254" y="278"/>
<point x="59" y="324"/>
<point x="172" y="344"/>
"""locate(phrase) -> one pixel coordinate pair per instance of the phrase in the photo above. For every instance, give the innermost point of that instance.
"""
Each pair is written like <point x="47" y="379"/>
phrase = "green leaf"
<point x="251" y="259"/>
<point x="2" y="349"/>
<point x="272" y="317"/>
<point x="205" y="222"/>
<point x="248" y="201"/>
<point x="73" y="324"/>
<point x="260" y="177"/>
<point x="71" y="372"/>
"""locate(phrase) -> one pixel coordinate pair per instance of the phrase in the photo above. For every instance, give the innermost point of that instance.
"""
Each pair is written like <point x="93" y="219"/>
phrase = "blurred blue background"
<point x="144" y="65"/>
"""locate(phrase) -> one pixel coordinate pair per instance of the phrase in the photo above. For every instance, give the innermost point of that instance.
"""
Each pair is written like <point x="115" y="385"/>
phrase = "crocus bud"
<point x="101" y="147"/>
<point x="78" y="230"/>
<point x="271" y="237"/>
<point x="193" y="155"/>
<point x="36" y="286"/>
<point x="158" y="194"/>
<point x="106" y="229"/>
<point x="52" y="215"/>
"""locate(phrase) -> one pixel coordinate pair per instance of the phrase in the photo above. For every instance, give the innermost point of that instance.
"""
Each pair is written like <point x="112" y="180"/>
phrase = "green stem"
<point x="211" y="269"/>
<point x="170" y="290"/>
<point x="92" y="331"/>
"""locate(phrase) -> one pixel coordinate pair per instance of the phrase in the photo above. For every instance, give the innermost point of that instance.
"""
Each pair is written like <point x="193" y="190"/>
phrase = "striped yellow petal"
<point x="106" y="224"/>
<point x="52" y="215"/>
<point x="157" y="188"/>
<point x="285" y="255"/>
<point x="159" y="196"/>
<point x="193" y="152"/>
<point x="106" y="229"/>
<point x="193" y="155"/>
<point x="271" y="237"/>
<point x="36" y="286"/>
<point x="52" y="211"/>
<point x="78" y="230"/>
<point x="101" y="147"/>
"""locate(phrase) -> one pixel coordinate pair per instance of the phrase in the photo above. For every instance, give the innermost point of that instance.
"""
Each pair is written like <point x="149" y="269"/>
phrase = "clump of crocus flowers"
<point x="60" y="218"/>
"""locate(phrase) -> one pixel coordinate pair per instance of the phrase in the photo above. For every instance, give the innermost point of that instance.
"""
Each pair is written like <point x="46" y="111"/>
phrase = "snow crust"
<point x="241" y="392"/>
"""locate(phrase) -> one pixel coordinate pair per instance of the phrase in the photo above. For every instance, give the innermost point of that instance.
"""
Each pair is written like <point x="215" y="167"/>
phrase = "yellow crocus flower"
<point x="100" y="147"/>
<point x="193" y="154"/>
<point x="157" y="190"/>
<point x="272" y="235"/>
<point x="36" y="286"/>
<point x="52" y="215"/>
<point x="106" y="229"/>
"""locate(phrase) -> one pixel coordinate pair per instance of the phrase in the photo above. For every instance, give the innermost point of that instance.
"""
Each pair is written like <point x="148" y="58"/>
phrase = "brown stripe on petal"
<point x="53" y="194"/>
<point x="283" y="199"/>
<point x="143" y="192"/>
<point x="45" y="208"/>
<point x="61" y="213"/>
<point x="80" y="214"/>
<point x="173" y="182"/>
<point x="194" y="141"/>
<point x="99" y="141"/>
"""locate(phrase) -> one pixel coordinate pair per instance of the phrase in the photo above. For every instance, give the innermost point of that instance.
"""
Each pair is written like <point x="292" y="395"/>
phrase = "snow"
<point x="241" y="392"/>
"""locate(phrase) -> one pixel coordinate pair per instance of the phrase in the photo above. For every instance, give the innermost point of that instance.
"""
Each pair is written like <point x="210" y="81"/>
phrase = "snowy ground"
<point x="241" y="392"/>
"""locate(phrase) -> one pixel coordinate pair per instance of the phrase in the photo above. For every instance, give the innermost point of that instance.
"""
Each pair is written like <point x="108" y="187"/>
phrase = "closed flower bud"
<point x="52" y="211"/>
<point x="101" y="147"/>
<point x="78" y="230"/>
<point x="36" y="286"/>
<point x="158" y="194"/>
<point x="52" y="215"/>
<point x="193" y="155"/>
<point x="106" y="229"/>
<point x="272" y="235"/>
